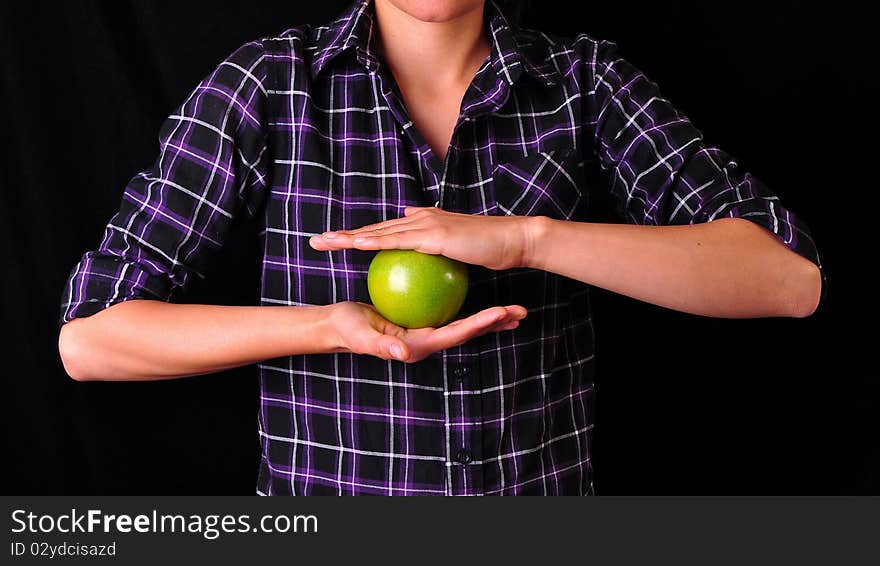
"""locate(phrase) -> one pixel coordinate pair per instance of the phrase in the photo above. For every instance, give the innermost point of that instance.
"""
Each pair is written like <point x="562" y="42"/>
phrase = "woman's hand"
<point x="358" y="328"/>
<point x="496" y="242"/>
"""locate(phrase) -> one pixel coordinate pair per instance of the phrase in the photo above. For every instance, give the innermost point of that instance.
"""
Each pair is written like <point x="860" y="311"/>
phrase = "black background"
<point x="686" y="405"/>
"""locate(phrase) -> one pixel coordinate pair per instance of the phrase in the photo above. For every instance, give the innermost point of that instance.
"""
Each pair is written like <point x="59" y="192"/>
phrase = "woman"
<point x="433" y="126"/>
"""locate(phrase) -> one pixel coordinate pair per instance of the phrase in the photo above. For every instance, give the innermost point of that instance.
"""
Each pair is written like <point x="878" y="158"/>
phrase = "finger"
<point x="511" y="313"/>
<point x="509" y="325"/>
<point x="339" y="241"/>
<point x="453" y="335"/>
<point x="402" y="240"/>
<point x="370" y="227"/>
<point x="516" y="311"/>
<point x="506" y="323"/>
<point x="320" y="244"/>
<point x="424" y="341"/>
<point x="417" y="239"/>
<point x="505" y="318"/>
<point x="325" y="241"/>
<point x="455" y="322"/>
<point x="345" y="238"/>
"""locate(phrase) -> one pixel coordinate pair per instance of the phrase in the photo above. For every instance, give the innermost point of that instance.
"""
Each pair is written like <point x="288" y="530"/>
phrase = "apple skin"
<point x="416" y="290"/>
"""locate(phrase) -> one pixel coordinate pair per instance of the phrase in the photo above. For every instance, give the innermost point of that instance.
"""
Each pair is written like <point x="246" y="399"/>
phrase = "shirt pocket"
<point x="540" y="184"/>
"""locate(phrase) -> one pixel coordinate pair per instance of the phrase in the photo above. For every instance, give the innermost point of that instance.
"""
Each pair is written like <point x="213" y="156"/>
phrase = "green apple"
<point x="416" y="290"/>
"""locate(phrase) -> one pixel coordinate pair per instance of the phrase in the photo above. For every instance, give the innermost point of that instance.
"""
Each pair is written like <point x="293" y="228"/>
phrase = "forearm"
<point x="729" y="268"/>
<point x="143" y="340"/>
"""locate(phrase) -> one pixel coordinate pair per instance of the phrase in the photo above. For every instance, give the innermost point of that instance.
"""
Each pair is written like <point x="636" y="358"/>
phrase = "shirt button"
<point x="461" y="372"/>
<point x="464" y="457"/>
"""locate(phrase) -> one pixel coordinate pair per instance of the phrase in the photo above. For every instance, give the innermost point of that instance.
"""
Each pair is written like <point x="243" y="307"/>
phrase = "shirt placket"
<point x="462" y="383"/>
<point x="487" y="94"/>
<point x="460" y="367"/>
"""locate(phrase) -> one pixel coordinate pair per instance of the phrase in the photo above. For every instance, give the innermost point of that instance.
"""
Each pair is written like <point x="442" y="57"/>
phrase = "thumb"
<point x="392" y="347"/>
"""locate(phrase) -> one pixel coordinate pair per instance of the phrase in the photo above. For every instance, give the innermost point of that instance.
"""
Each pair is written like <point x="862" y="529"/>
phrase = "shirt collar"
<point x="508" y="56"/>
<point x="354" y="29"/>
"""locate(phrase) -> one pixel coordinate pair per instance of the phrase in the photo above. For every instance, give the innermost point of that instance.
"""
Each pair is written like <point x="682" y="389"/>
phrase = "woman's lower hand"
<point x="496" y="242"/>
<point x="358" y="328"/>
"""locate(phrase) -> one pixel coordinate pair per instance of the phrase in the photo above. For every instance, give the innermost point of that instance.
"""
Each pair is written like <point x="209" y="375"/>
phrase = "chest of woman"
<point x="347" y="155"/>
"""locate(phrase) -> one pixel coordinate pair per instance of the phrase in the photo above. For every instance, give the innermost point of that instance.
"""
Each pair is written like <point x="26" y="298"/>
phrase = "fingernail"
<point x="330" y="235"/>
<point x="359" y="240"/>
<point x="396" y="352"/>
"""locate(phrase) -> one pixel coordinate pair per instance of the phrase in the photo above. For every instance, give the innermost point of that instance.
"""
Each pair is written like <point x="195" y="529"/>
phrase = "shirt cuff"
<point x="789" y="228"/>
<point x="100" y="281"/>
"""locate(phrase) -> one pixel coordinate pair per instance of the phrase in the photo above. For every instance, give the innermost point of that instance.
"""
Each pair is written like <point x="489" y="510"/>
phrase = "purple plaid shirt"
<point x="307" y="132"/>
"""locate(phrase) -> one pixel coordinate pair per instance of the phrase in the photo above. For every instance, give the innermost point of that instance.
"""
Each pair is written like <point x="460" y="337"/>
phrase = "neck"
<point x="431" y="53"/>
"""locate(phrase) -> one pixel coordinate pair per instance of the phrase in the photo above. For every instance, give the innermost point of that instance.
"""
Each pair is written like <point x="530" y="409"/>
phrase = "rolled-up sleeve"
<point x="211" y="167"/>
<point x="660" y="171"/>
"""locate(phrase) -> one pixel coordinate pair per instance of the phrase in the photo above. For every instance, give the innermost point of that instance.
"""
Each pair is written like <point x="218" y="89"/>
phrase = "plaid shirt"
<point x="307" y="132"/>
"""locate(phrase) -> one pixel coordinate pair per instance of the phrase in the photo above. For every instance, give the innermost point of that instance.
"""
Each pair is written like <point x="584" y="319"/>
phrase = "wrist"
<point x="327" y="331"/>
<point x="535" y="236"/>
<point x="312" y="330"/>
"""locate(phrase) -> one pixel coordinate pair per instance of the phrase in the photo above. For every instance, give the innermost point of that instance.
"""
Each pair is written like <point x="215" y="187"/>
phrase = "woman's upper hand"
<point x="496" y="242"/>
<point x="360" y="329"/>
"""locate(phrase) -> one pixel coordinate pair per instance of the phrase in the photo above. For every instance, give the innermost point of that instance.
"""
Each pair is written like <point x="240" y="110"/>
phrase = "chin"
<point x="436" y="11"/>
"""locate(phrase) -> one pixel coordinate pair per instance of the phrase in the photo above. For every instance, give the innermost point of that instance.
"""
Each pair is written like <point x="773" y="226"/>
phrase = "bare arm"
<point x="145" y="340"/>
<point x="728" y="268"/>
